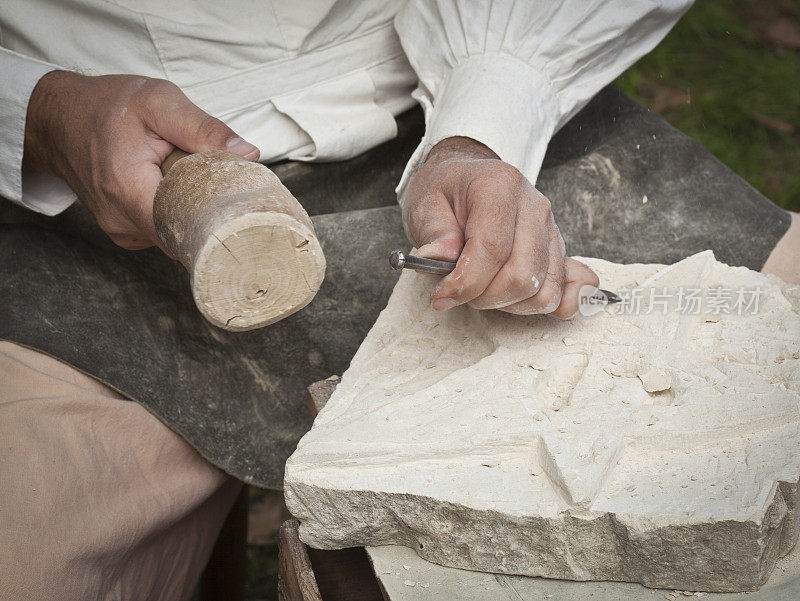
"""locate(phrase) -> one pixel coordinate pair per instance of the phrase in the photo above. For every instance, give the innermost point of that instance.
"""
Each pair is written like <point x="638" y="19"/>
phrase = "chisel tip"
<point x="610" y="296"/>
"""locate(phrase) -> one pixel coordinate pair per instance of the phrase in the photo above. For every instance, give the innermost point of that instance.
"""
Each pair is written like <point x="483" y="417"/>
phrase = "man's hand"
<point x="465" y="204"/>
<point x="107" y="137"/>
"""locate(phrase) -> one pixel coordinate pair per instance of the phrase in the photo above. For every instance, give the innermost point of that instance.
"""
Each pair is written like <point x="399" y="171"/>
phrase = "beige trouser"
<point x="98" y="499"/>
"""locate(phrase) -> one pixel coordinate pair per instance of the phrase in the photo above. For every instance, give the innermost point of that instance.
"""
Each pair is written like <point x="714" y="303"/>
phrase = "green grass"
<point x="718" y="76"/>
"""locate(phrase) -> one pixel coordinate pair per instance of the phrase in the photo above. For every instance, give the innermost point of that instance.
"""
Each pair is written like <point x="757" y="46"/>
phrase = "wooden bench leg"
<point x="296" y="580"/>
<point x="307" y="574"/>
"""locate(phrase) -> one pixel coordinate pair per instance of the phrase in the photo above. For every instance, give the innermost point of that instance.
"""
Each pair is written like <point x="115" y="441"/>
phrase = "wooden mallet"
<point x="247" y="243"/>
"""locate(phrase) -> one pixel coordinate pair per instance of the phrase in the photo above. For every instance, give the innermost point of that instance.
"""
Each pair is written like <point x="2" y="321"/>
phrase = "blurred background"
<point x="728" y="75"/>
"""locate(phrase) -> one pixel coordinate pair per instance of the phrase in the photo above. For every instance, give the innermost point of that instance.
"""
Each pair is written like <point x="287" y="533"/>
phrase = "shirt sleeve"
<point x="41" y="192"/>
<point x="510" y="74"/>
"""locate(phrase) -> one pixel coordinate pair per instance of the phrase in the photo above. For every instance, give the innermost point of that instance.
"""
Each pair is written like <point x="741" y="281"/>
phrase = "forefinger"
<point x="489" y="235"/>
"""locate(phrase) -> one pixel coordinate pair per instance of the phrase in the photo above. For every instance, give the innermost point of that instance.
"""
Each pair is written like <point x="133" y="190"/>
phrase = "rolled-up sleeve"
<point x="41" y="192"/>
<point x="510" y="74"/>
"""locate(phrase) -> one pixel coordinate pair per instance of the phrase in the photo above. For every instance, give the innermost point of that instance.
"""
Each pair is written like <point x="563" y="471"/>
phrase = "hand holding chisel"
<point x="400" y="260"/>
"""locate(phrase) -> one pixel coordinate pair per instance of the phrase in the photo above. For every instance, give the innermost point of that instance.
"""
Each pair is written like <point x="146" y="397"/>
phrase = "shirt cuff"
<point x="48" y="195"/>
<point x="497" y="100"/>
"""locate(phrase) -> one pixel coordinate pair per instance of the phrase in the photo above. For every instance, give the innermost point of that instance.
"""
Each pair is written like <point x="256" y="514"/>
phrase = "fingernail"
<point x="443" y="304"/>
<point x="551" y="306"/>
<point x="243" y="148"/>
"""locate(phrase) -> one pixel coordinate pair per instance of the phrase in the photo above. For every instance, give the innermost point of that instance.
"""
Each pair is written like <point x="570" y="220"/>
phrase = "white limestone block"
<point x="660" y="446"/>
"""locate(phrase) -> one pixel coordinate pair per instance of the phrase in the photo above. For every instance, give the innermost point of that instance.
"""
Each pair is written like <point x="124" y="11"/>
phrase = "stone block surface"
<point x="657" y="441"/>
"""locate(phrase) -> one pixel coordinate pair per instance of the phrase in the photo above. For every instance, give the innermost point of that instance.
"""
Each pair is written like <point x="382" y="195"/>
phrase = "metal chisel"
<point x="400" y="260"/>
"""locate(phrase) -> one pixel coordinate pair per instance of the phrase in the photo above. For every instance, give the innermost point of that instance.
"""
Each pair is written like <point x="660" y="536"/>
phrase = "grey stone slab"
<point x="128" y="318"/>
<point x="404" y="576"/>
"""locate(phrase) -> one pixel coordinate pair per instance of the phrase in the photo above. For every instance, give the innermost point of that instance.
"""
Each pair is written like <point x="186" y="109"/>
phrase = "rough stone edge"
<point x="691" y="557"/>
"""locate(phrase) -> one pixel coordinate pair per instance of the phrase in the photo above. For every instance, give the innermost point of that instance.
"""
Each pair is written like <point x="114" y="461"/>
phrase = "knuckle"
<point x="549" y="297"/>
<point x="162" y="86"/>
<point x="555" y="301"/>
<point x="494" y="247"/>
<point x="207" y="130"/>
<point x="155" y="88"/>
<point x="541" y="198"/>
<point x="500" y="177"/>
<point x="521" y="283"/>
<point x="545" y="297"/>
<point x="551" y="306"/>
<point x="507" y="172"/>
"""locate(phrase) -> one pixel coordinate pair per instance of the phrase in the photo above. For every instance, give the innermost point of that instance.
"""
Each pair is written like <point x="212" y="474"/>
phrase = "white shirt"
<point x="321" y="80"/>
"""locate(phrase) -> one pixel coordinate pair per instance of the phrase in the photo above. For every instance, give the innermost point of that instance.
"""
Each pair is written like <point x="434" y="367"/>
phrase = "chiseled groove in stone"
<point x="552" y="471"/>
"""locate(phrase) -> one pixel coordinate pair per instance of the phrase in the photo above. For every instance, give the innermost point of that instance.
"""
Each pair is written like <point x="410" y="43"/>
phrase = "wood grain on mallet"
<point x="247" y="243"/>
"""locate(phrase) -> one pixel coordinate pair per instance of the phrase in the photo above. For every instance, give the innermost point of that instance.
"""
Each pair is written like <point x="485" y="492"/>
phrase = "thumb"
<point x="434" y="230"/>
<point x="183" y="124"/>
